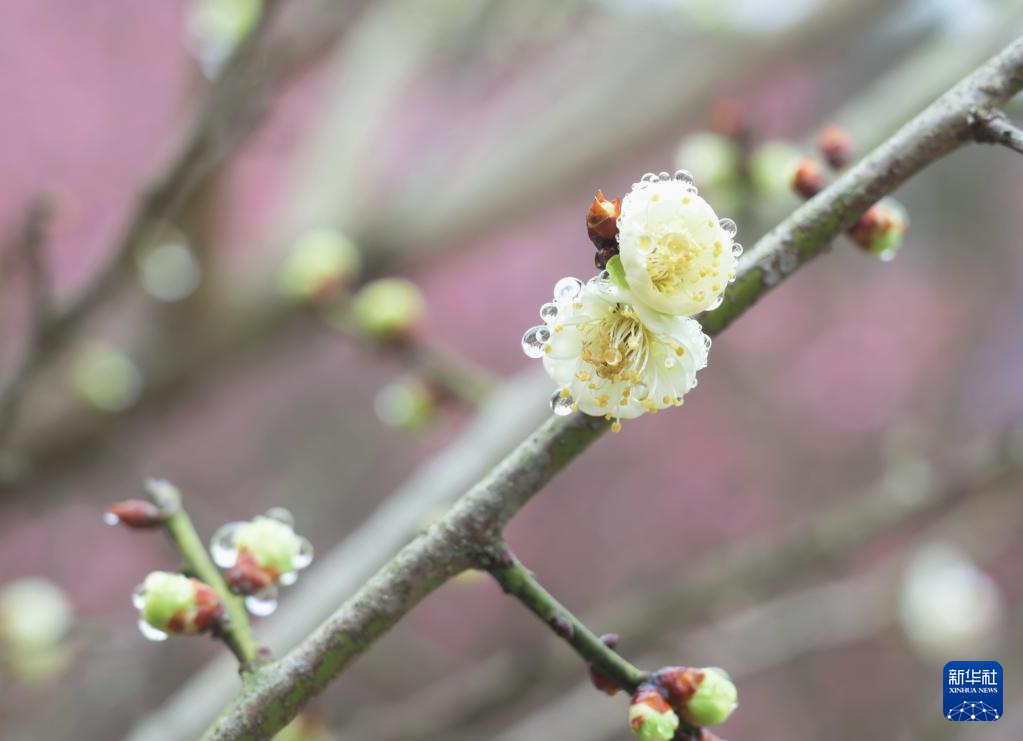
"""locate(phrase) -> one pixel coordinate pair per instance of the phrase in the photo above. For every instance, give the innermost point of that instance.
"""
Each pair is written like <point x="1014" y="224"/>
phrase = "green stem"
<point x="519" y="582"/>
<point x="236" y="631"/>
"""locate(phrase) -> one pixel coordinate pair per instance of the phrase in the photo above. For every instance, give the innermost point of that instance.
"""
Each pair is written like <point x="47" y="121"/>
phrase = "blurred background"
<point x="197" y="203"/>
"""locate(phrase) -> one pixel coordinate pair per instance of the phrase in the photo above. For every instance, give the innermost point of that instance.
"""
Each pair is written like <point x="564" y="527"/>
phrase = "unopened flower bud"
<point x="650" y="716"/>
<point x="407" y="404"/>
<point x="600" y="680"/>
<point x="807" y="180"/>
<point x="835" y="145"/>
<point x="34" y="613"/>
<point x="772" y="165"/>
<point x="105" y="378"/>
<point x="260" y="554"/>
<point x="388" y="308"/>
<point x="880" y="230"/>
<point x="134" y="513"/>
<point x="602" y="223"/>
<point x="320" y="264"/>
<point x="176" y="604"/>
<point x="703" y="697"/>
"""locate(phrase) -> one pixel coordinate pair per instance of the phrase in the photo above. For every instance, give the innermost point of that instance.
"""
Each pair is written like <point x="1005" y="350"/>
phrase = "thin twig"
<point x="235" y="631"/>
<point x="519" y="582"/>
<point x="287" y="685"/>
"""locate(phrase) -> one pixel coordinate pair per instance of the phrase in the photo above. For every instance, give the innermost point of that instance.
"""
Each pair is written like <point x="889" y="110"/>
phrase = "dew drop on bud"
<point x="567" y="289"/>
<point x="150" y="633"/>
<point x="887" y="255"/>
<point x="304" y="557"/>
<point x="533" y="341"/>
<point x="286" y="580"/>
<point x="728" y="226"/>
<point x="281" y="514"/>
<point x="736" y="249"/>
<point x="561" y="405"/>
<point x="138" y="597"/>
<point x="222" y="547"/>
<point x="110" y="518"/>
<point x="263" y="602"/>
<point x="684" y="176"/>
<point x="549" y="312"/>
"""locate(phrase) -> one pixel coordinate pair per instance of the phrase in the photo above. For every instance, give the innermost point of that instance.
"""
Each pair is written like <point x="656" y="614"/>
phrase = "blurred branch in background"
<point x="909" y="496"/>
<point x="481" y="514"/>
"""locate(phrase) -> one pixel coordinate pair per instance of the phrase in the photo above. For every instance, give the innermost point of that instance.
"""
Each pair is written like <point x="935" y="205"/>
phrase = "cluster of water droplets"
<point x="536" y="340"/>
<point x="224" y="550"/>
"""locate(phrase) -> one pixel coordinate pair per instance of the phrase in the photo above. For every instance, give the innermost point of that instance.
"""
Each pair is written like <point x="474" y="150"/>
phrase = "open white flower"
<point x="677" y="255"/>
<point x="612" y="356"/>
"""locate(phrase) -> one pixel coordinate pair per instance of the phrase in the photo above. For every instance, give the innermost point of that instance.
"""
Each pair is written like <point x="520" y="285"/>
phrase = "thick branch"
<point x="236" y="632"/>
<point x="519" y="582"/>
<point x="284" y="687"/>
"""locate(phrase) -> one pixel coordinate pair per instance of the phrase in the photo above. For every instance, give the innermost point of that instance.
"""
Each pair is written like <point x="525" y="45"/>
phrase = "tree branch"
<point x="994" y="127"/>
<point x="519" y="582"/>
<point x="263" y="707"/>
<point x="235" y="631"/>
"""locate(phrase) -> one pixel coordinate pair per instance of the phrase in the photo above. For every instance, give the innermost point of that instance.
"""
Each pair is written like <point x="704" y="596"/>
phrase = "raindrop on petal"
<point x="138" y="596"/>
<point x="263" y="603"/>
<point x="640" y="391"/>
<point x="561" y="405"/>
<point x="281" y="514"/>
<point x="549" y="312"/>
<point x="684" y="176"/>
<point x="728" y="226"/>
<point x="736" y="249"/>
<point x="222" y="547"/>
<point x="669" y="363"/>
<point x="151" y="633"/>
<point x="567" y="289"/>
<point x="110" y="518"/>
<point x="664" y="176"/>
<point x="534" y="339"/>
<point x="716" y="303"/>
<point x="707" y="342"/>
<point x="648" y="178"/>
<point x="304" y="557"/>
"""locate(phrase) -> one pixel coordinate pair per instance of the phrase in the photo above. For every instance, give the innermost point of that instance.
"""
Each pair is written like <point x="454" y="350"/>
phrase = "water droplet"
<point x="549" y="312"/>
<point x="887" y="255"/>
<point x="533" y="341"/>
<point x="648" y="178"/>
<point x="151" y="633"/>
<point x="716" y="303"/>
<point x="304" y="557"/>
<point x="222" y="547"/>
<point x="561" y="405"/>
<point x="110" y="518"/>
<point x="728" y="226"/>
<point x="263" y="602"/>
<point x="736" y="249"/>
<point x="664" y="176"/>
<point x="286" y="580"/>
<point x="640" y="391"/>
<point x="707" y="342"/>
<point x="567" y="289"/>
<point x="684" y="176"/>
<point x="669" y="363"/>
<point x="138" y="597"/>
<point x="281" y="514"/>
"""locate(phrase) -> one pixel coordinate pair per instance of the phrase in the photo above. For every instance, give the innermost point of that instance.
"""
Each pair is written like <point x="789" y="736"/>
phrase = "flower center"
<point x="671" y="260"/>
<point x="617" y="346"/>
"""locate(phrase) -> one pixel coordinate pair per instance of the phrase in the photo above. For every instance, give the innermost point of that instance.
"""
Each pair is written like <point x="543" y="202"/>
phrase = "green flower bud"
<point x="653" y="722"/>
<point x="772" y="167"/>
<point x="271" y="542"/>
<point x="713" y="159"/>
<point x="105" y="377"/>
<point x="165" y="595"/>
<point x="714" y="700"/>
<point x="407" y="405"/>
<point x="320" y="261"/>
<point x="34" y="613"/>
<point x="387" y="307"/>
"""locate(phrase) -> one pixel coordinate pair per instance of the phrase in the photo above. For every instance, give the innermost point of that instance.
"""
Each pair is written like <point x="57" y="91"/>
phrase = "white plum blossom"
<point x="678" y="257"/>
<point x="612" y="356"/>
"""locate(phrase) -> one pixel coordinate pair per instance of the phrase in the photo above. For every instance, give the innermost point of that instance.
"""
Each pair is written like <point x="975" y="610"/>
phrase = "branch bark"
<point x="284" y="687"/>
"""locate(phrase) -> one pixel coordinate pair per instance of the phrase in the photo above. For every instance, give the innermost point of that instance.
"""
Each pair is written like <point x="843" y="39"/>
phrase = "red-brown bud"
<point x="807" y="180"/>
<point x="602" y="222"/>
<point x="835" y="145"/>
<point x="679" y="682"/>
<point x="600" y="680"/>
<point x="247" y="576"/>
<point x="133" y="513"/>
